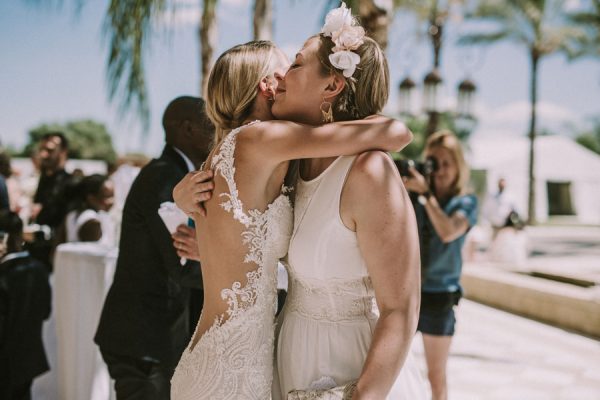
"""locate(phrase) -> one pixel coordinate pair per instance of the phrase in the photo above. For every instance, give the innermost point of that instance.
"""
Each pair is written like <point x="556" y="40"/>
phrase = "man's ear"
<point x="335" y="86"/>
<point x="187" y="127"/>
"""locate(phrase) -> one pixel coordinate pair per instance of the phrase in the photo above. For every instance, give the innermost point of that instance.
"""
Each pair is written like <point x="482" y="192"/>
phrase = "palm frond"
<point x="127" y="25"/>
<point x="483" y="38"/>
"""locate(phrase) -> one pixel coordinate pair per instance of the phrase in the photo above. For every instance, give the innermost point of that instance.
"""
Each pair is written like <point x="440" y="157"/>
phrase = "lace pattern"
<point x="233" y="358"/>
<point x="345" y="300"/>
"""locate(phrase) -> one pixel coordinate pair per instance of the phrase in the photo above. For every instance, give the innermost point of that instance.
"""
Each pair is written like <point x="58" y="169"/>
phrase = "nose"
<point x="279" y="76"/>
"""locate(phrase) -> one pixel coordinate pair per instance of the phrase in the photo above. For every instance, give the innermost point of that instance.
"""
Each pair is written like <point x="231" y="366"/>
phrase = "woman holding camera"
<point x="445" y="213"/>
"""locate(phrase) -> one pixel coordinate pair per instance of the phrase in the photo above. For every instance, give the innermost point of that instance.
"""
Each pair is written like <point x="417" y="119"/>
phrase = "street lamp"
<point x="406" y="90"/>
<point x="431" y="101"/>
<point x="466" y="92"/>
<point x="432" y="84"/>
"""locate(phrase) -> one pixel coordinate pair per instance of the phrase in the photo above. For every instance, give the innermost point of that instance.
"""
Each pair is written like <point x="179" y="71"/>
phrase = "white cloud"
<point x="514" y="117"/>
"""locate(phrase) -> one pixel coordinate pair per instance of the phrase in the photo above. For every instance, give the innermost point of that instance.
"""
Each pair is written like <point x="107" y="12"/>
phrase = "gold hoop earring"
<point x="326" y="112"/>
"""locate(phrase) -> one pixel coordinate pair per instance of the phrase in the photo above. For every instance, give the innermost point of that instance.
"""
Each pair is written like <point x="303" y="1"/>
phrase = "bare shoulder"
<point x="373" y="166"/>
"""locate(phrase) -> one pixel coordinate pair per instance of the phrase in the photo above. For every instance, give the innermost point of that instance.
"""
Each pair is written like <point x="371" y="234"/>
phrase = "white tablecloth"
<point x="83" y="273"/>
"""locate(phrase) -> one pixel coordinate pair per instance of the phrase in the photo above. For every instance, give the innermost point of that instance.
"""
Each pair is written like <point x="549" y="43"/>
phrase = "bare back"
<point x="246" y="230"/>
<point x="232" y="236"/>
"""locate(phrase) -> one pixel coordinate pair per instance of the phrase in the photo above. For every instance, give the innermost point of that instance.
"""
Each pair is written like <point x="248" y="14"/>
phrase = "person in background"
<point x="499" y="207"/>
<point x="24" y="305"/>
<point x="144" y="326"/>
<point x="5" y="173"/>
<point x="51" y="200"/>
<point x="13" y="188"/>
<point x="90" y="221"/>
<point x="445" y="213"/>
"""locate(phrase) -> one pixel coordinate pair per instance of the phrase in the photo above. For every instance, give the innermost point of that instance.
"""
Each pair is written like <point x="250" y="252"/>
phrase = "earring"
<point x="327" y="112"/>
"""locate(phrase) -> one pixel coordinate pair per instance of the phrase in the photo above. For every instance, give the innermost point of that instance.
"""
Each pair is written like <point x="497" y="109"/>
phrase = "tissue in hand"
<point x="172" y="215"/>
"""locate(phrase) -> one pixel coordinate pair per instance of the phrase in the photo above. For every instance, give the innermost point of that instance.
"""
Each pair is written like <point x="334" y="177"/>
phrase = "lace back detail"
<point x="240" y="297"/>
<point x="233" y="358"/>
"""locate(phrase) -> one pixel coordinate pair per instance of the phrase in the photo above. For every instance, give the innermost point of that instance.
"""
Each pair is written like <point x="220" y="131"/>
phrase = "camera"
<point x="425" y="168"/>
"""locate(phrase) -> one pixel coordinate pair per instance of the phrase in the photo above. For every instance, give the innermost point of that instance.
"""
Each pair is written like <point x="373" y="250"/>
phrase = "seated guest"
<point x="24" y="305"/>
<point x="90" y="221"/>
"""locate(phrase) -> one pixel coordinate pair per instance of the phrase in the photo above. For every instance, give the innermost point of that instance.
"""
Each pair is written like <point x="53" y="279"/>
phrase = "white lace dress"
<point x="330" y="312"/>
<point x="234" y="358"/>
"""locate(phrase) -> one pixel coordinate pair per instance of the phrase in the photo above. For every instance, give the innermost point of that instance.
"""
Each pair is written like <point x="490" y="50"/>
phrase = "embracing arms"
<point x="280" y="141"/>
<point x="388" y="240"/>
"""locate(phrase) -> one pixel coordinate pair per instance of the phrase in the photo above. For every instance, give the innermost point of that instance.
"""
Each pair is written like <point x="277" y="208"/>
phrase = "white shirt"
<point x="188" y="162"/>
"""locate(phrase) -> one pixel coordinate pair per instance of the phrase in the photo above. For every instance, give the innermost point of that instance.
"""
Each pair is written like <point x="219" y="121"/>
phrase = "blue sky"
<point x="53" y="69"/>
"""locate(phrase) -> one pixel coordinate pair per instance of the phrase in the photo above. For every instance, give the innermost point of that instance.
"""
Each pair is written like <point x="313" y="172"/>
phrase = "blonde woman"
<point x="248" y="221"/>
<point x="445" y="213"/>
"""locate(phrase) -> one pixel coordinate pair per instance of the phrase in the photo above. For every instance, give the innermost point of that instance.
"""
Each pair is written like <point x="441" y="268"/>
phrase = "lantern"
<point x="466" y="92"/>
<point x="431" y="87"/>
<point x="406" y="89"/>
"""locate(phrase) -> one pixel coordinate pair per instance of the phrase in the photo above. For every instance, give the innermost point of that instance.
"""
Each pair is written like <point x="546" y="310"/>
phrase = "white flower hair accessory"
<point x="347" y="36"/>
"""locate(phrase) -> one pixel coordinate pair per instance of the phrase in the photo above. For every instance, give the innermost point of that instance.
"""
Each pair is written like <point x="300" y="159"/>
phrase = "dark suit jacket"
<point x="54" y="194"/>
<point x="146" y="312"/>
<point x="24" y="305"/>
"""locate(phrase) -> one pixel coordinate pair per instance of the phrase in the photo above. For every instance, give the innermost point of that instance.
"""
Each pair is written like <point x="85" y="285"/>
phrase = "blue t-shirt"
<point x="441" y="263"/>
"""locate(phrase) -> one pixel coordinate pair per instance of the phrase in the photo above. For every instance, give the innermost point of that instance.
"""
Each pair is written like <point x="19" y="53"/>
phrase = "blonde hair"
<point x="233" y="83"/>
<point x="447" y="140"/>
<point x="367" y="91"/>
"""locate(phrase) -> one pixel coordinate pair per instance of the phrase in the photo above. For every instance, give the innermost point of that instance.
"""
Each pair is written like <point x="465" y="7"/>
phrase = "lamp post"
<point x="432" y="84"/>
<point x="431" y="102"/>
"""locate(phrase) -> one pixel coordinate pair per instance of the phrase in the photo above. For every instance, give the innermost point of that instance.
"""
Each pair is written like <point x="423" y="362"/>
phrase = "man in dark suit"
<point x="144" y="326"/>
<point x="51" y="200"/>
<point x="24" y="305"/>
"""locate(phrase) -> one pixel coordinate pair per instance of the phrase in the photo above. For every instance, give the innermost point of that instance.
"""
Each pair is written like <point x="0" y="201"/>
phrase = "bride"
<point x="248" y="221"/>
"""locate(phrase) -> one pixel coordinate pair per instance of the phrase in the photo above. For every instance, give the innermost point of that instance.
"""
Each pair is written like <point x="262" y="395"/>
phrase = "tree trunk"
<point x="376" y="20"/>
<point x="532" y="134"/>
<point x="263" y="19"/>
<point x="208" y="41"/>
<point x="435" y="31"/>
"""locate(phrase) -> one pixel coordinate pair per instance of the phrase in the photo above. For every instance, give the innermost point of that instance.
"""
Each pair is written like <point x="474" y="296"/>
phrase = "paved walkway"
<point x="497" y="355"/>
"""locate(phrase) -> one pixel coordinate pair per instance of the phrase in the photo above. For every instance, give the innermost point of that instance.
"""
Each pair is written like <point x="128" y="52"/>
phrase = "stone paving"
<point x="496" y="355"/>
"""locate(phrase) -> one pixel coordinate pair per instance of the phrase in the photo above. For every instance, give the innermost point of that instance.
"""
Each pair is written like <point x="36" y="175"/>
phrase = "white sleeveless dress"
<point x="330" y="313"/>
<point x="234" y="358"/>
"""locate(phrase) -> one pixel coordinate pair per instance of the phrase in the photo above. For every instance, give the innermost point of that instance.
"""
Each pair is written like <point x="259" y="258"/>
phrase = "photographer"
<point x="444" y="213"/>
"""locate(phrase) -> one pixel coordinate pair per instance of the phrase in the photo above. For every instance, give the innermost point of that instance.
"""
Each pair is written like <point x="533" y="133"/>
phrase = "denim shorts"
<point x="437" y="313"/>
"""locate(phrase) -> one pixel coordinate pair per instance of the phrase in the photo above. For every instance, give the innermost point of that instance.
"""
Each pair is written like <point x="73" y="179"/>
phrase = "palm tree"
<point x="263" y="19"/>
<point x="128" y="24"/>
<point x="208" y="40"/>
<point x="590" y="20"/>
<point x="541" y="27"/>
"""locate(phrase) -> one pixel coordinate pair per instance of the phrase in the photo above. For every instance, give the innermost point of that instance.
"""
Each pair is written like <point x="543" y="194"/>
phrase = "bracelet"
<point x="349" y="390"/>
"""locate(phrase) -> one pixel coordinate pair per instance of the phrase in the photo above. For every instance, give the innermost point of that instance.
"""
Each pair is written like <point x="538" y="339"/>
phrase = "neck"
<point x="51" y="171"/>
<point x="261" y="110"/>
<point x="443" y="194"/>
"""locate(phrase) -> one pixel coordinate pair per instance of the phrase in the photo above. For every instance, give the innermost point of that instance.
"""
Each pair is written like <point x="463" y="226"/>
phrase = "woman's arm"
<point x="388" y="240"/>
<point x="447" y="227"/>
<point x="279" y="141"/>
